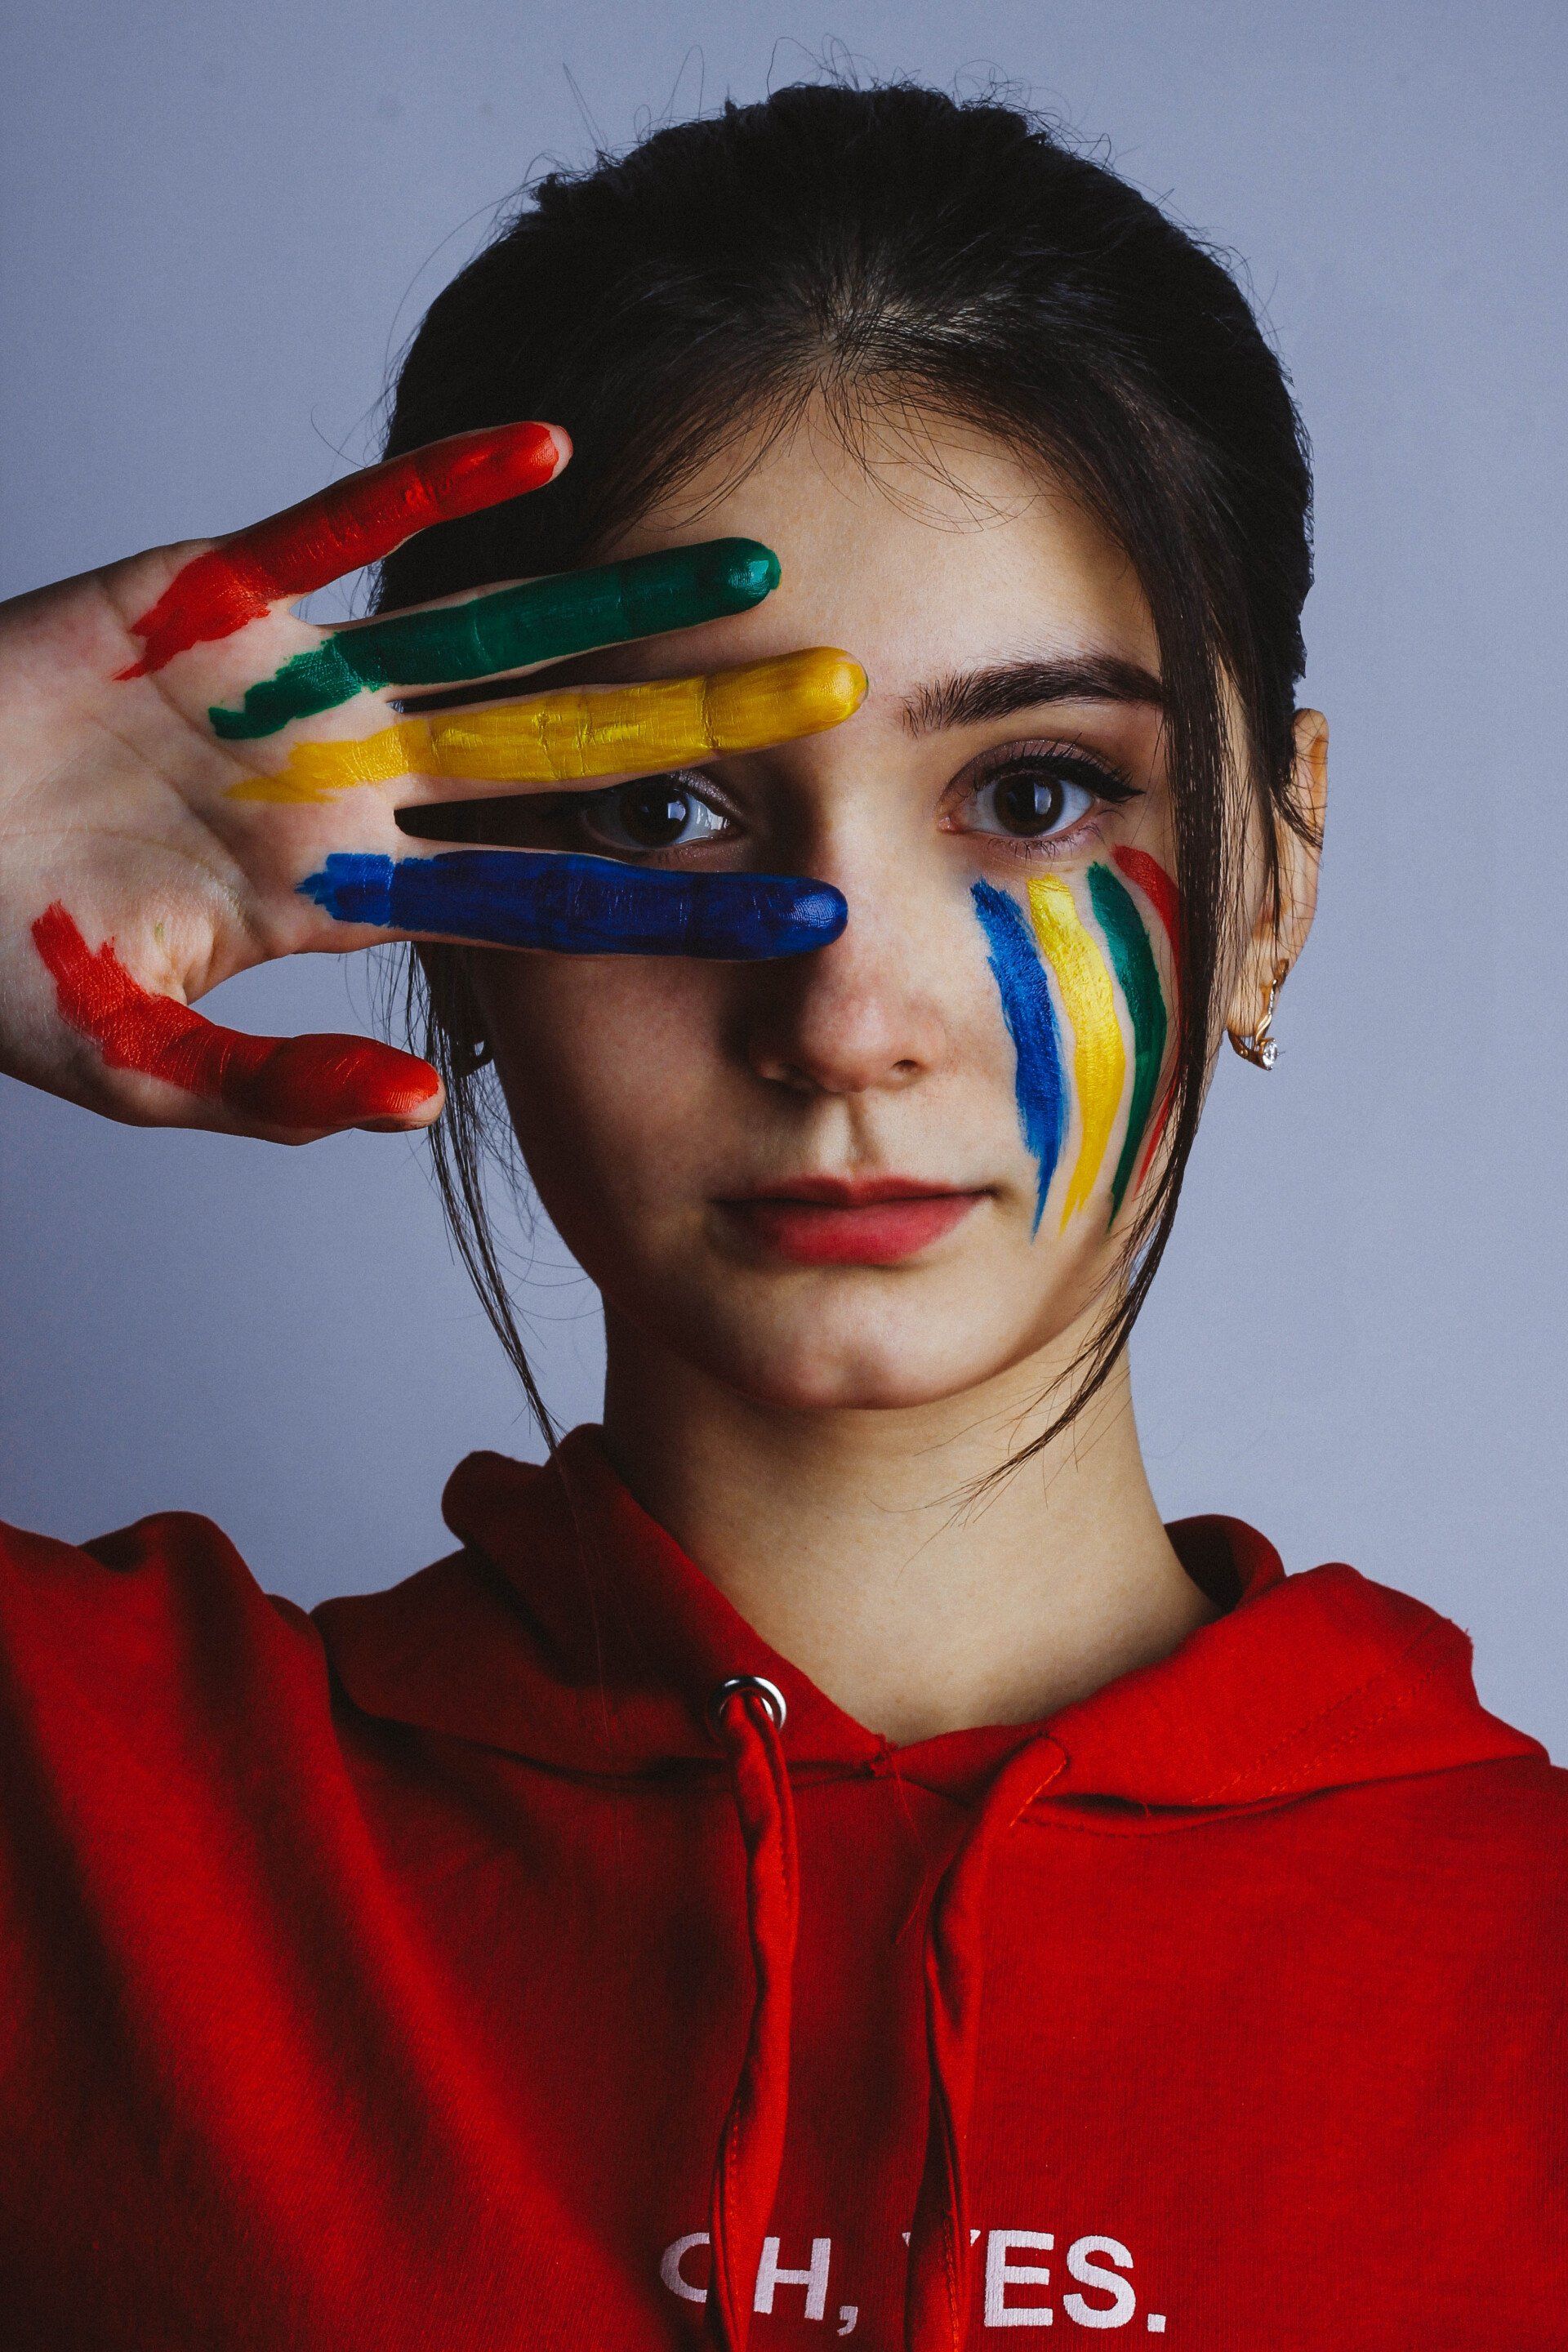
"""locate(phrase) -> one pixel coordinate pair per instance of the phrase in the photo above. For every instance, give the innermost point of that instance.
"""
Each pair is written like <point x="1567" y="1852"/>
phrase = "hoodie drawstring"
<point x="747" y="1715"/>
<point x="936" y="2297"/>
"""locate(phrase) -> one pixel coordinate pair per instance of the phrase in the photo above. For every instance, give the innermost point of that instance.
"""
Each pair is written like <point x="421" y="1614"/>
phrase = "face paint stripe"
<point x="1160" y="890"/>
<point x="1157" y="886"/>
<point x="538" y="621"/>
<point x="580" y="906"/>
<point x="340" y="529"/>
<point x="302" y="1083"/>
<point x="1138" y="976"/>
<point x="583" y="731"/>
<point x="1099" y="1057"/>
<point x="1031" y="1024"/>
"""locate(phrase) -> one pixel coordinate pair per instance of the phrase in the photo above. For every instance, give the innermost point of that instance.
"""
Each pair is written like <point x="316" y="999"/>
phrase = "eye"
<point x="1036" y="797"/>
<point x="655" y="813"/>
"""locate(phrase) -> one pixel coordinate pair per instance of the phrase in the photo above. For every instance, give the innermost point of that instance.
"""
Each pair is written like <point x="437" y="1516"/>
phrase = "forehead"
<point x="921" y="546"/>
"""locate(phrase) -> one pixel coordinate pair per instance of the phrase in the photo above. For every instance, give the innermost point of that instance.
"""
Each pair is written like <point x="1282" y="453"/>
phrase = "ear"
<point x="1279" y="933"/>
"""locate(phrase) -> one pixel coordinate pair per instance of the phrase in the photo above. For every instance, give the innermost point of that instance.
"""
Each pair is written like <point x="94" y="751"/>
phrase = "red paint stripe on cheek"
<point x="1160" y="890"/>
<point x="1157" y="886"/>
<point x="1156" y="1130"/>
<point x="340" y="529"/>
<point x="290" y="1081"/>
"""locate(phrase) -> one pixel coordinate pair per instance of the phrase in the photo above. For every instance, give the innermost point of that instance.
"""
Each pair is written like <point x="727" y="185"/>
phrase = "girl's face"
<point x="885" y="1173"/>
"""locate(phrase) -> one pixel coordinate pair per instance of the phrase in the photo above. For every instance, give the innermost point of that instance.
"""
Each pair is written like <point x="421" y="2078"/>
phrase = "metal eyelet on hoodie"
<point x="770" y="1694"/>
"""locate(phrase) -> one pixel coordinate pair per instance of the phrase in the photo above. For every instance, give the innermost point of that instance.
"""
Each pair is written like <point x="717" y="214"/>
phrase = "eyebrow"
<point x="969" y="698"/>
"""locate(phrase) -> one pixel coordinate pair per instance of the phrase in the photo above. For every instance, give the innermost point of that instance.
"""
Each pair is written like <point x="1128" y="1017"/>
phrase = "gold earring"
<point x="1256" y="1046"/>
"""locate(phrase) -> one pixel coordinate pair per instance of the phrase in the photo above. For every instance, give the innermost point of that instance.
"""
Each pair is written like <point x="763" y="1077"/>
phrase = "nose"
<point x="861" y="1015"/>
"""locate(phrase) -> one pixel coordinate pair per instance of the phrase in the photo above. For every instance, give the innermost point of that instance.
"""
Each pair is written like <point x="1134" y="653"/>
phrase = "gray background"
<point x="220" y="223"/>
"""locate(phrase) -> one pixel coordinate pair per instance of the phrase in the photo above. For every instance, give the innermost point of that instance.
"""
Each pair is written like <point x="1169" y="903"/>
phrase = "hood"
<point x="573" y="1631"/>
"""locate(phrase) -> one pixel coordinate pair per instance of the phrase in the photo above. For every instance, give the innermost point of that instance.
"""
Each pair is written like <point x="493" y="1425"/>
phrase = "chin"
<point x="810" y="1369"/>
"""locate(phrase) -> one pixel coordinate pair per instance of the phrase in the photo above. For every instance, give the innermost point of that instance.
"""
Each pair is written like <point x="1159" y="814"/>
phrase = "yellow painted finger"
<point x="1088" y="999"/>
<point x="583" y="731"/>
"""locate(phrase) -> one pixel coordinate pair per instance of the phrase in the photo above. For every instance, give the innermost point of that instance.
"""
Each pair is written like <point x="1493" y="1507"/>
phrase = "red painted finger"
<point x="304" y="1083"/>
<point x="352" y="523"/>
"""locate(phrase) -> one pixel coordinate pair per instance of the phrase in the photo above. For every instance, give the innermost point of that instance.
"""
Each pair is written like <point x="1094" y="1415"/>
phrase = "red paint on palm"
<point x="302" y="1082"/>
<point x="1163" y="895"/>
<point x="339" y="529"/>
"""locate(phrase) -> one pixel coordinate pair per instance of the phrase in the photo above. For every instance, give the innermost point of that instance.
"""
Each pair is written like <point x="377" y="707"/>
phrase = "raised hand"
<point x="193" y="781"/>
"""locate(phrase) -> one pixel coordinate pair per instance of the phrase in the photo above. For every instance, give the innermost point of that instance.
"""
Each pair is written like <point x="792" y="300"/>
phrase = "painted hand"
<point x="193" y="781"/>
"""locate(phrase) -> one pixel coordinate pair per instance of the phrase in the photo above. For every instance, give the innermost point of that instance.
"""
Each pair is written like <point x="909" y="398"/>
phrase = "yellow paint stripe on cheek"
<point x="585" y="731"/>
<point x="1088" y="999"/>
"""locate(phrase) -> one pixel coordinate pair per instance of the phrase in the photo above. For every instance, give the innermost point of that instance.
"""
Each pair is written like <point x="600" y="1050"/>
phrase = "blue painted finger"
<point x="580" y="906"/>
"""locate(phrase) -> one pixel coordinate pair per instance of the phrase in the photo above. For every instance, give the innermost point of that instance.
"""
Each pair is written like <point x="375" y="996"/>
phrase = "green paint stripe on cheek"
<point x="1138" y="976"/>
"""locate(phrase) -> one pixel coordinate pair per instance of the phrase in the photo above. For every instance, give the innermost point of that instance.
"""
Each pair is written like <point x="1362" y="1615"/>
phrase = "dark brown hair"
<point x="889" y="249"/>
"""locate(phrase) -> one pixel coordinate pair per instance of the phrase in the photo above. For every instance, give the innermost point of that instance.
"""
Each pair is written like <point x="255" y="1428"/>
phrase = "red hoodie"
<point x="430" y="1972"/>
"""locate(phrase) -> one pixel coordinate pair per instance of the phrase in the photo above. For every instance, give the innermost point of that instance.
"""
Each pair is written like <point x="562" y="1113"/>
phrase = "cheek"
<point x="1076" y="993"/>
<point x="1143" y="995"/>
<point x="609" y="1064"/>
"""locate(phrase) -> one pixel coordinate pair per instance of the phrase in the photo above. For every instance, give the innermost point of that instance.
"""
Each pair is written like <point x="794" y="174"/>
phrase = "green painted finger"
<point x="541" y="621"/>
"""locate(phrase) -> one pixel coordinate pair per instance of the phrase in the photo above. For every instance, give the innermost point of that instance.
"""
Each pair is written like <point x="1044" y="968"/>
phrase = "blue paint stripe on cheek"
<point x="580" y="906"/>
<point x="1031" y="1024"/>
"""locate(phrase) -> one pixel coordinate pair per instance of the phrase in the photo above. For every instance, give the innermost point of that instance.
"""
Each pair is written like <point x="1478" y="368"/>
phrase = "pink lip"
<point x="837" y="1220"/>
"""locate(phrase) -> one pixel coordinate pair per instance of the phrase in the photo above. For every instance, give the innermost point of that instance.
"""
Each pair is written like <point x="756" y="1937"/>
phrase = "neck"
<point x="850" y="1540"/>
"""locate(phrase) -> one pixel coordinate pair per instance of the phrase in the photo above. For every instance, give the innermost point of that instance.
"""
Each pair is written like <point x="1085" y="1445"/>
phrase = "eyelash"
<point x="1058" y="762"/>
<point x="1062" y="764"/>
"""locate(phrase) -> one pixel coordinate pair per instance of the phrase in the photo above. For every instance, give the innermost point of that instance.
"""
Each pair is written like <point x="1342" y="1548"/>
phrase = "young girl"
<point x="819" y="1859"/>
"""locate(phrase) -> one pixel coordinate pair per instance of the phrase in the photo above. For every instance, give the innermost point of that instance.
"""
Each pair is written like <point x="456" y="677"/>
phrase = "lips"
<point x="837" y="1221"/>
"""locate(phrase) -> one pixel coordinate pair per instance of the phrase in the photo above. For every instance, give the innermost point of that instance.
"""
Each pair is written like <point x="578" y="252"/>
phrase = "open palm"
<point x="193" y="781"/>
